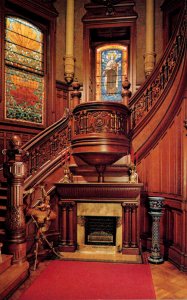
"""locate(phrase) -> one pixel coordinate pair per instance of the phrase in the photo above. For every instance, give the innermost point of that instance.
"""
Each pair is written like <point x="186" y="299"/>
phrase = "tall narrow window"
<point x="24" y="71"/>
<point x="111" y="69"/>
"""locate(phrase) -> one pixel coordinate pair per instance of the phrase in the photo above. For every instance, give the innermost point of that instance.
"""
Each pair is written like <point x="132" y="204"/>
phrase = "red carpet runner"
<point x="63" y="280"/>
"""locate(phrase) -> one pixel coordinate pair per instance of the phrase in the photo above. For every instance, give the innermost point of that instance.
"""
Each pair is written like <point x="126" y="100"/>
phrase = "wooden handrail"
<point x="150" y="95"/>
<point x="46" y="147"/>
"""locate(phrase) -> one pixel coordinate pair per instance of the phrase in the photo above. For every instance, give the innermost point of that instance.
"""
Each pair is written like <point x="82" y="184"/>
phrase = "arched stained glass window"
<point x="24" y="71"/>
<point x="111" y="69"/>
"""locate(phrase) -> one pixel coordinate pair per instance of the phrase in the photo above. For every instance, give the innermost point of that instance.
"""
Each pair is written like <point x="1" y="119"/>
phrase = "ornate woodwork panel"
<point x="62" y="99"/>
<point x="161" y="169"/>
<point x="163" y="173"/>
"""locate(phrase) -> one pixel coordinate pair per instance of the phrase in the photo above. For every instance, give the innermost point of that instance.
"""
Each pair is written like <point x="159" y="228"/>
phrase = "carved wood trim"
<point x="150" y="96"/>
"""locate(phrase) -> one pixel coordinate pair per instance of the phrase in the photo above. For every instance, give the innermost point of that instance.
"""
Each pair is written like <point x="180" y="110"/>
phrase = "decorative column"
<point x="126" y="242"/>
<point x="156" y="205"/>
<point x="67" y="242"/>
<point x="69" y="56"/>
<point x="134" y="226"/>
<point x="64" y="229"/>
<point x="130" y="237"/>
<point x="14" y="170"/>
<point x="71" y="223"/>
<point x="150" y="55"/>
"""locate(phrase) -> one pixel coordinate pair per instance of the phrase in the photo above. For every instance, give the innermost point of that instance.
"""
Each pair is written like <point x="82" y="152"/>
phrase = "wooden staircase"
<point x="3" y="209"/>
<point x="11" y="276"/>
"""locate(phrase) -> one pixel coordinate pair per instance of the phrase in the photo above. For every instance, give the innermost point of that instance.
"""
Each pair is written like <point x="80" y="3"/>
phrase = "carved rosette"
<point x="81" y="220"/>
<point x="100" y="122"/>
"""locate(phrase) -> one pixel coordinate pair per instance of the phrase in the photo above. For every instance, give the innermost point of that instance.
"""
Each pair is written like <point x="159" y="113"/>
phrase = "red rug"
<point x="63" y="280"/>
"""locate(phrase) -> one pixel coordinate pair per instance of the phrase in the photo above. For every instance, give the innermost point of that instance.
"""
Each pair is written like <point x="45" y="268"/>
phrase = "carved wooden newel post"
<point x="14" y="171"/>
<point x="156" y="205"/>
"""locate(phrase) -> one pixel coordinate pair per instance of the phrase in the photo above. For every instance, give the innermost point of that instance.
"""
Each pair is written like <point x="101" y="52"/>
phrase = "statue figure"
<point x="133" y="178"/>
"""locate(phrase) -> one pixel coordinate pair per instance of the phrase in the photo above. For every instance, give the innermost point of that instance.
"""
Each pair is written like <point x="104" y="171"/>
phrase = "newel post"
<point x="15" y="170"/>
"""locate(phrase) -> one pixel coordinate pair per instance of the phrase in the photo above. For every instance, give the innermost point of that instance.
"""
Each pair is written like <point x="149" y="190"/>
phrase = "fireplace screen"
<point x="100" y="231"/>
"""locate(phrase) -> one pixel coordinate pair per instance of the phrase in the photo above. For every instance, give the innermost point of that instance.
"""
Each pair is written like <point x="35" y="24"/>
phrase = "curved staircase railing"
<point x="153" y="92"/>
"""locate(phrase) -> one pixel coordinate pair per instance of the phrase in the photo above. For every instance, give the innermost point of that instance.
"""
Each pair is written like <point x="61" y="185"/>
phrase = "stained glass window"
<point x="24" y="71"/>
<point x="111" y="70"/>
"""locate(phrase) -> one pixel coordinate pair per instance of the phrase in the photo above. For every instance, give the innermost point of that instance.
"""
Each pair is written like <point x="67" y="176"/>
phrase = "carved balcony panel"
<point x="100" y="132"/>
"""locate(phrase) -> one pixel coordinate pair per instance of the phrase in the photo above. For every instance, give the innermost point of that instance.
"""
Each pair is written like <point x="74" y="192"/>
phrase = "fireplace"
<point x="116" y="205"/>
<point x="100" y="230"/>
<point x="99" y="226"/>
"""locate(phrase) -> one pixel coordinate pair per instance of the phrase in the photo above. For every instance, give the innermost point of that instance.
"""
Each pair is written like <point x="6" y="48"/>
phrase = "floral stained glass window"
<point x="24" y="71"/>
<point x="111" y="70"/>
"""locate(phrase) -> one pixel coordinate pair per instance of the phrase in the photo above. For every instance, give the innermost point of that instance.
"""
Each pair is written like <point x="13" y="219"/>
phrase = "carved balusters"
<point x="159" y="83"/>
<point x="130" y="242"/>
<point x="67" y="226"/>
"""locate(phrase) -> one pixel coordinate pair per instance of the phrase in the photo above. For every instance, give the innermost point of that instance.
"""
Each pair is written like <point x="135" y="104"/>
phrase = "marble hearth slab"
<point x="115" y="258"/>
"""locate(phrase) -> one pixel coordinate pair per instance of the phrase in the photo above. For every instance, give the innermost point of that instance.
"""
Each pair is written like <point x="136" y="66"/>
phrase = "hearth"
<point x="100" y="230"/>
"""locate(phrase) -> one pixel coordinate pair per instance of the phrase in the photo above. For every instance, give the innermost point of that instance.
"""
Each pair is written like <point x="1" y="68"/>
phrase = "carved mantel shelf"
<point x="97" y="192"/>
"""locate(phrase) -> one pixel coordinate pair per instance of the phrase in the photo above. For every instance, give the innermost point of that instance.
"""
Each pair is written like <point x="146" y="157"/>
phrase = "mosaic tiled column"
<point x="156" y="205"/>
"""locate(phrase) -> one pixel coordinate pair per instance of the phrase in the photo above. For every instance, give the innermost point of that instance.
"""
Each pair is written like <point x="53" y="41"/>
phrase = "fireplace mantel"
<point x="99" y="192"/>
<point x="119" y="200"/>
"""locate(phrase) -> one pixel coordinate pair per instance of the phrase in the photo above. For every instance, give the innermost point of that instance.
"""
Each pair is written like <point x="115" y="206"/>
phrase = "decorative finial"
<point x="126" y="94"/>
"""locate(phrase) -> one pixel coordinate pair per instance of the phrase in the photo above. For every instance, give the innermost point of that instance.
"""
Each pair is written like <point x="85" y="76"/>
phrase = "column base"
<point x="130" y="251"/>
<point x="153" y="260"/>
<point x="66" y="248"/>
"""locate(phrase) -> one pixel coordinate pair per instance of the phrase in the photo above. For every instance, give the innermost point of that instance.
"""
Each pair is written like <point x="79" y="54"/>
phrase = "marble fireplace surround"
<point x="103" y="210"/>
<point x="120" y="200"/>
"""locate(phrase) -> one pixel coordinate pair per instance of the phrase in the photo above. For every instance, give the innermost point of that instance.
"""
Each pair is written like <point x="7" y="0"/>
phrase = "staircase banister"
<point x="176" y="43"/>
<point x="43" y="149"/>
<point x="36" y="140"/>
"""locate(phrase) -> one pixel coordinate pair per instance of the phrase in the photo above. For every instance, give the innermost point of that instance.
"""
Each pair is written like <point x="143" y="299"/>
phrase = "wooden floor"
<point x="169" y="282"/>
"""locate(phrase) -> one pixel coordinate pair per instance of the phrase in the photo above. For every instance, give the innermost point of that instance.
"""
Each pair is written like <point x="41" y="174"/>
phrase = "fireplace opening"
<point x="100" y="230"/>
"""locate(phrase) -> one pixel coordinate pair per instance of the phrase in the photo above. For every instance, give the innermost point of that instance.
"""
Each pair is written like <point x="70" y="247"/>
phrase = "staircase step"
<point x="3" y="207"/>
<point x="2" y="219"/>
<point x="3" y="188"/>
<point x="2" y="231"/>
<point x="12" y="278"/>
<point x="5" y="262"/>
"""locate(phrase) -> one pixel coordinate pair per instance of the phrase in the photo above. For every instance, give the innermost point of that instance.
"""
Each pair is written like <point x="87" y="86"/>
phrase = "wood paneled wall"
<point x="163" y="172"/>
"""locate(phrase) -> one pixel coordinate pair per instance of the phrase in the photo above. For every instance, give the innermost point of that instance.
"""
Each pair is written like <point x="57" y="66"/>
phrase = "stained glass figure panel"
<point x="111" y="69"/>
